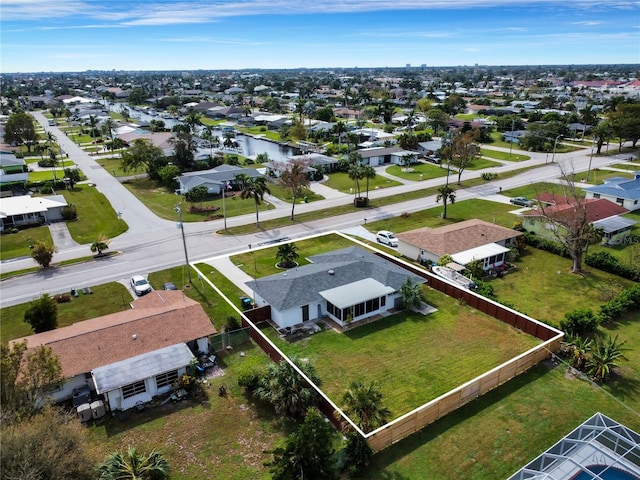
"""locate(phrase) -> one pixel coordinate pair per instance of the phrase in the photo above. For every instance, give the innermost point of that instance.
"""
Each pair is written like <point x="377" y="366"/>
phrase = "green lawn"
<point x="261" y="131"/>
<point x="285" y="195"/>
<point x="14" y="245"/>
<point x="543" y="288"/>
<point x="106" y="299"/>
<point x="498" y="433"/>
<point x="96" y="216"/>
<point x="163" y="202"/>
<point x="499" y="155"/>
<point x="626" y="166"/>
<point x="112" y="165"/>
<point x="415" y="358"/>
<point x="341" y="181"/>
<point x="260" y="263"/>
<point x="486" y="210"/>
<point x="418" y="171"/>
<point x="480" y="163"/>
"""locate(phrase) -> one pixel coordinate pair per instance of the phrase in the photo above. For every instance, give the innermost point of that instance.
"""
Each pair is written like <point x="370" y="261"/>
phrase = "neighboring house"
<point x="600" y="212"/>
<point x="214" y="179"/>
<point x="430" y="148"/>
<point x="314" y="160"/>
<point x="12" y="169"/>
<point x="129" y="356"/>
<point x="513" y="137"/>
<point x="379" y="155"/>
<point x="162" y="140"/>
<point x="464" y="241"/>
<point x="346" y="285"/>
<point x="25" y="210"/>
<point x="620" y="190"/>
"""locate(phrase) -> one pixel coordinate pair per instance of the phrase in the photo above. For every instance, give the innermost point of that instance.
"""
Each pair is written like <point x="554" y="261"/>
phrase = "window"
<point x="620" y="201"/>
<point x="165" y="379"/>
<point x="383" y="301"/>
<point x="596" y="195"/>
<point x="133" y="389"/>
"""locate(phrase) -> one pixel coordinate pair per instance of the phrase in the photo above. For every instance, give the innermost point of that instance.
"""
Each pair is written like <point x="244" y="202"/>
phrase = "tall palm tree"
<point x="109" y="126"/>
<point x="255" y="188"/>
<point x="445" y="193"/>
<point x="368" y="173"/>
<point x="363" y="403"/>
<point x="356" y="173"/>
<point x="605" y="355"/>
<point x="133" y="465"/>
<point x="338" y="129"/>
<point x="192" y="119"/>
<point x="93" y="122"/>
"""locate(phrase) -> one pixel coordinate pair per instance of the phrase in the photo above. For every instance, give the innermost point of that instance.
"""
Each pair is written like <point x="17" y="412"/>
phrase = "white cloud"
<point x="588" y="23"/>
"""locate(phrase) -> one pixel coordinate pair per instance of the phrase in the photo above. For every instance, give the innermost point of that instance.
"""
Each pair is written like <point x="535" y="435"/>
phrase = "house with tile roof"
<point x="599" y="212"/>
<point x="345" y="285"/>
<point x="620" y="190"/>
<point x="464" y="241"/>
<point x="133" y="355"/>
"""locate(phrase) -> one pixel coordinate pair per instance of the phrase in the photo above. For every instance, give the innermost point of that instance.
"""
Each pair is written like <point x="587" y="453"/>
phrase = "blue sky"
<point x="78" y="35"/>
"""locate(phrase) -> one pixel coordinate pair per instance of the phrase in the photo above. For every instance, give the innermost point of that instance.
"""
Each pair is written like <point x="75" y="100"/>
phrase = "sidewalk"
<point x="225" y="266"/>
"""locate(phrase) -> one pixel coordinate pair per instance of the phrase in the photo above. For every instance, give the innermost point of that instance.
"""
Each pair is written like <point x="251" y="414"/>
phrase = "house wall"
<point x="66" y="391"/>
<point x="117" y="402"/>
<point x="629" y="204"/>
<point x="415" y="253"/>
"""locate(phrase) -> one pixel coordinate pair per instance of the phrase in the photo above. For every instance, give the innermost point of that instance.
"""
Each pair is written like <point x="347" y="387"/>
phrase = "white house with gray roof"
<point x="346" y="285"/>
<point x="214" y="179"/>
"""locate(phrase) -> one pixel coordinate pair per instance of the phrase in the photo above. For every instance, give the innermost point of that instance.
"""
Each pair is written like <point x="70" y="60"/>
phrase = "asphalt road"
<point x="153" y="244"/>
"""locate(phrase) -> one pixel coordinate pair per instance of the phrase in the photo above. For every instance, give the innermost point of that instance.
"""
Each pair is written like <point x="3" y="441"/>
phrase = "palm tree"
<point x="101" y="244"/>
<point x="287" y="255"/>
<point x="192" y="119"/>
<point x="93" y="122"/>
<point x="445" y="193"/>
<point x="363" y="404"/>
<point x="309" y="109"/>
<point x="255" y="188"/>
<point x="356" y="173"/>
<point x="286" y="390"/>
<point x="133" y="465"/>
<point x="368" y="172"/>
<point x="338" y="129"/>
<point x="579" y="348"/>
<point x="605" y="355"/>
<point x="411" y="293"/>
<point x="109" y="126"/>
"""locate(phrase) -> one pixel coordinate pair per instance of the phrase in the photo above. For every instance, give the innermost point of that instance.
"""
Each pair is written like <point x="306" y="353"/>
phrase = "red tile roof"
<point x="159" y="319"/>
<point x="596" y="208"/>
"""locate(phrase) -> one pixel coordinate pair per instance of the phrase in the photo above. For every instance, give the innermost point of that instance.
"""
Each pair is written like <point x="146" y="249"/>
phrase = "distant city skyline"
<point x="79" y="35"/>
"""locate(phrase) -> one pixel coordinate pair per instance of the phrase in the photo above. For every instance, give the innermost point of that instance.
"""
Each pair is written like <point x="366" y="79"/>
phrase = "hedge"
<point x="608" y="263"/>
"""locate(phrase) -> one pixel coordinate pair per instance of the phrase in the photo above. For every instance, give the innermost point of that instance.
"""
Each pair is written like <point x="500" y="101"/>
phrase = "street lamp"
<point x="555" y="143"/>
<point x="178" y="209"/>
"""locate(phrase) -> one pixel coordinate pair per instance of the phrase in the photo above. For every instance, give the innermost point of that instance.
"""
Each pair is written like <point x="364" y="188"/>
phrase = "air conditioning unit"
<point x="97" y="409"/>
<point x="84" y="412"/>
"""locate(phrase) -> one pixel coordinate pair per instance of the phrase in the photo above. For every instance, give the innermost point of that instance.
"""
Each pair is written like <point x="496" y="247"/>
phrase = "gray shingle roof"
<point x="301" y="285"/>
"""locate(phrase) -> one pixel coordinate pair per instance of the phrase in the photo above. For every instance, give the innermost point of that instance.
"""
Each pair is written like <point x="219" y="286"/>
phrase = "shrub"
<point x="580" y="322"/>
<point x="545" y="244"/>
<point x="250" y="373"/>
<point x="232" y="324"/>
<point x="69" y="212"/>
<point x="47" y="162"/>
<point x="608" y="263"/>
<point x="488" y="176"/>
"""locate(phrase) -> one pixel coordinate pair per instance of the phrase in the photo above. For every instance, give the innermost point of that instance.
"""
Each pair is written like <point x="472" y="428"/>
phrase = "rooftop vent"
<point x="134" y="336"/>
<point x="331" y="272"/>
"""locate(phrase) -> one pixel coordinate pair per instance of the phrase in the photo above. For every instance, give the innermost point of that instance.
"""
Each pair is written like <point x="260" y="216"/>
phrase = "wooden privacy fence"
<point x="422" y="416"/>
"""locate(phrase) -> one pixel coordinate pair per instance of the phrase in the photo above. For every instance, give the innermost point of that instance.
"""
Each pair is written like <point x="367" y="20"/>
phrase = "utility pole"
<point x="178" y="209"/>
<point x="513" y="121"/>
<point x="555" y="143"/>
<point x="593" y="140"/>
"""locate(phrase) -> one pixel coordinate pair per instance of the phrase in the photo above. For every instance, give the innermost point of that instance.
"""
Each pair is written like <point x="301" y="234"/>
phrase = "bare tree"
<point x="569" y="222"/>
<point x="462" y="150"/>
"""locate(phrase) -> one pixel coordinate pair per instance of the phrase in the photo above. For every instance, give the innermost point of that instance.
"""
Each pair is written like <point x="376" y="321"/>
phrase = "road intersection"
<point x="153" y="244"/>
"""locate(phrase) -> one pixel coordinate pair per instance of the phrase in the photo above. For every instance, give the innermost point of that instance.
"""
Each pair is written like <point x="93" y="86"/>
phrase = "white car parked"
<point x="140" y="285"/>
<point x="387" y="238"/>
